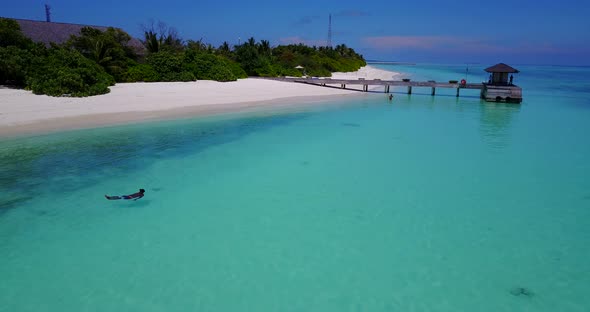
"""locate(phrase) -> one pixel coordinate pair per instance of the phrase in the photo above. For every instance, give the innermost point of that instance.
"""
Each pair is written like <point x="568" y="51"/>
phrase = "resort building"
<point x="47" y="32"/>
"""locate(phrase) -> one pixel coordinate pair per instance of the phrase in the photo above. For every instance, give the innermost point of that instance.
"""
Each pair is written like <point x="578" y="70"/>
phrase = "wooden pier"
<point x="509" y="95"/>
<point x="499" y="87"/>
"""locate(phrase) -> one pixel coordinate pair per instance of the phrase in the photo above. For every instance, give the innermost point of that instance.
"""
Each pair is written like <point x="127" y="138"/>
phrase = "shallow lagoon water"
<point x="419" y="204"/>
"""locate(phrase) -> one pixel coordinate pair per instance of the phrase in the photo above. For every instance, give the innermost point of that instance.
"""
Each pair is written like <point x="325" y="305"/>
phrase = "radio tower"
<point x="48" y="13"/>
<point x="329" y="31"/>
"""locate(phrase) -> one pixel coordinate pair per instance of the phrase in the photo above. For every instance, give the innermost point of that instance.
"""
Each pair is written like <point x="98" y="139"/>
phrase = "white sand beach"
<point x="22" y="112"/>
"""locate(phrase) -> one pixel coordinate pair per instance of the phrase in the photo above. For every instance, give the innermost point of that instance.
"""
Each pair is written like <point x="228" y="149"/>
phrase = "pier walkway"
<point x="378" y="82"/>
<point x="342" y="83"/>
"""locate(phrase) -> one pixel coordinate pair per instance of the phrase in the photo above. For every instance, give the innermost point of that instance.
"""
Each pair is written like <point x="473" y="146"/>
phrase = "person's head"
<point x="141" y="191"/>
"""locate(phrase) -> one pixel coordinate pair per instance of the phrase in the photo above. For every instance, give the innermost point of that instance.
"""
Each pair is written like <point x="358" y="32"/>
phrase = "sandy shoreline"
<point x="23" y="113"/>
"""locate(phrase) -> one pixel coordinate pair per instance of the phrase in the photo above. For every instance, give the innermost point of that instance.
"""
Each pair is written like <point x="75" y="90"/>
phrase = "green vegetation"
<point x="16" y="53"/>
<point x="55" y="71"/>
<point x="67" y="72"/>
<point x="14" y="65"/>
<point x="109" y="49"/>
<point x="209" y="66"/>
<point x="140" y="72"/>
<point x="91" y="62"/>
<point x="10" y="34"/>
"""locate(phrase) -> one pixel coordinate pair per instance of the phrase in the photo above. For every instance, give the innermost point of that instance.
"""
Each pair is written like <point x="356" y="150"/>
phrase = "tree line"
<point x="89" y="63"/>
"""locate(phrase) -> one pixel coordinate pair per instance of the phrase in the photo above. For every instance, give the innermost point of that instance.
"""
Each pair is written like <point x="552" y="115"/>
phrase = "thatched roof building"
<point x="501" y="68"/>
<point x="499" y="74"/>
<point x="47" y="32"/>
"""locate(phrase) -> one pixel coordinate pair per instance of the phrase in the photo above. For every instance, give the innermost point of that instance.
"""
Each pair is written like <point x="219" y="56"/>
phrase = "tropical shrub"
<point x="11" y="35"/>
<point x="169" y="66"/>
<point x="14" y="64"/>
<point x="140" y="72"/>
<point x="235" y="68"/>
<point x="181" y="76"/>
<point x="206" y="66"/>
<point x="108" y="49"/>
<point x="222" y="73"/>
<point x="264" y="68"/>
<point x="67" y="72"/>
<point x="248" y="57"/>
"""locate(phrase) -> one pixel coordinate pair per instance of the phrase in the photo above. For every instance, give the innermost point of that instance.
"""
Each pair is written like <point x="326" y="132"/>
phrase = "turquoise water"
<point x="420" y="204"/>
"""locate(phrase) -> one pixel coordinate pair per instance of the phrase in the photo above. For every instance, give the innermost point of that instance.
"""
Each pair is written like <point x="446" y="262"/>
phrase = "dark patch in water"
<point x="587" y="197"/>
<point x="521" y="292"/>
<point x="44" y="213"/>
<point x="305" y="163"/>
<point x="12" y="202"/>
<point x="350" y="124"/>
<point x="156" y="189"/>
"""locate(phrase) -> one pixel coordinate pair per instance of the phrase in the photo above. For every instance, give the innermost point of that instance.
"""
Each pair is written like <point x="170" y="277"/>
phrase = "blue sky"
<point x="434" y="31"/>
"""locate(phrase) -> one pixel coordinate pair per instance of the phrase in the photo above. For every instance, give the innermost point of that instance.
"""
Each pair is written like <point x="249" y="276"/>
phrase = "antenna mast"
<point x="48" y="13"/>
<point x="329" y="31"/>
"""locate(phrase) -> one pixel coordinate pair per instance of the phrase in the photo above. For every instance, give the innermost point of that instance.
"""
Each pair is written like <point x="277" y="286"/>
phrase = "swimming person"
<point x="134" y="196"/>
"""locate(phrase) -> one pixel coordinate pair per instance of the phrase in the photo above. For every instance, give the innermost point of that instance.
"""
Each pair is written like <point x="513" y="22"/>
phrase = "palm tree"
<point x="264" y="48"/>
<point x="172" y="41"/>
<point x="100" y="53"/>
<point x="224" y="48"/>
<point x="152" y="42"/>
<point x="196" y="45"/>
<point x="164" y="38"/>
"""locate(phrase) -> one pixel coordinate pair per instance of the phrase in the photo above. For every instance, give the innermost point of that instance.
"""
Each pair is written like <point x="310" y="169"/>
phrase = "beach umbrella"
<point x="301" y="67"/>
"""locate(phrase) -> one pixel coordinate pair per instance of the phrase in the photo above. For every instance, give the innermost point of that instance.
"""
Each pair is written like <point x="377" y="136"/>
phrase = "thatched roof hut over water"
<point x="501" y="68"/>
<point x="500" y="73"/>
